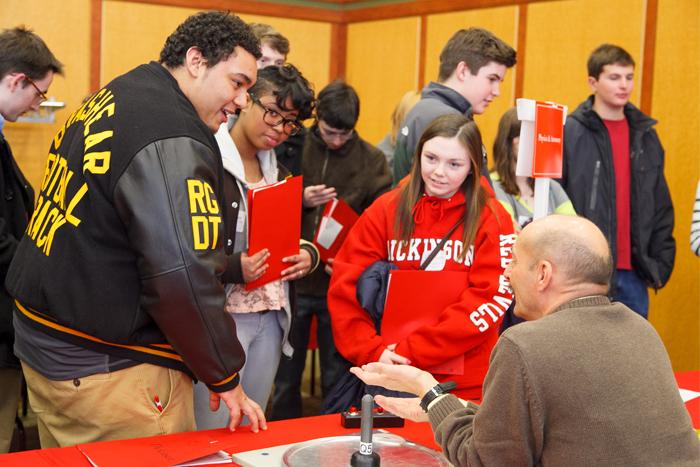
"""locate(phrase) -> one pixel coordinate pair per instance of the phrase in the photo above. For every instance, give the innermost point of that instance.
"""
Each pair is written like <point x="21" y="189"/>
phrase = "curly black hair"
<point x="214" y="33"/>
<point x="285" y="82"/>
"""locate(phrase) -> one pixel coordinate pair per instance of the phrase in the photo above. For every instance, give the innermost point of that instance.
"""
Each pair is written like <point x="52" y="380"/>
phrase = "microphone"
<point x="365" y="457"/>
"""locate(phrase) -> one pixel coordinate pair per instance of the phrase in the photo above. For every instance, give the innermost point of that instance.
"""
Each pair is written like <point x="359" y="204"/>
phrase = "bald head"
<point x="574" y="245"/>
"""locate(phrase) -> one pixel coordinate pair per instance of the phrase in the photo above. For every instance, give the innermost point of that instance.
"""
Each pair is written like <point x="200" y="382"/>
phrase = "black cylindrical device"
<point x="365" y="457"/>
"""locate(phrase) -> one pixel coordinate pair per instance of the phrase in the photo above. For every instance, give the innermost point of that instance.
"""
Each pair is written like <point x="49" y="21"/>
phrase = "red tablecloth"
<point x="136" y="452"/>
<point x="142" y="452"/>
<point x="690" y="381"/>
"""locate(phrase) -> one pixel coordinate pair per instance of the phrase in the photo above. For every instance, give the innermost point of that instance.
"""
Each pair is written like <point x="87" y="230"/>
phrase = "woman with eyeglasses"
<point x="278" y="101"/>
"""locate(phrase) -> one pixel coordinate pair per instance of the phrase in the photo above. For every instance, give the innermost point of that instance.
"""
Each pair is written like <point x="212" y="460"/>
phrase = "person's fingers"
<point x="235" y="417"/>
<point x="387" y="403"/>
<point x="400" y="359"/>
<point x="403" y="407"/>
<point x="260" y="257"/>
<point x="260" y="254"/>
<point x="255" y="415"/>
<point x="262" y="262"/>
<point x="214" y="401"/>
<point x="252" y="417"/>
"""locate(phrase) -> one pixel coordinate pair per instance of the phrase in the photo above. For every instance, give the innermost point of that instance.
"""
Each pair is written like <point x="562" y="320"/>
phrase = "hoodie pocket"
<point x="594" y="188"/>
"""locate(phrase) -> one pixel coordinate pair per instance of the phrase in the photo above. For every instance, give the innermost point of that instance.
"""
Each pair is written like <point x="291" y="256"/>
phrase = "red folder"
<point x="274" y="222"/>
<point x="417" y="298"/>
<point x="549" y="140"/>
<point x="337" y="219"/>
<point x="158" y="451"/>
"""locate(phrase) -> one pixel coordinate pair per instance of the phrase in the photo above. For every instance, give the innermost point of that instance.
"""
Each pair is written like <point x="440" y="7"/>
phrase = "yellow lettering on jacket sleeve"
<point x="195" y="189"/>
<point x="200" y="231"/>
<point x="212" y="205"/>
<point x="215" y="221"/>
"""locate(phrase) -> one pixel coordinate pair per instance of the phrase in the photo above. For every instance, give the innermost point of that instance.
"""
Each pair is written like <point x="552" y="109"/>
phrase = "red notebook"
<point x="337" y="219"/>
<point x="159" y="451"/>
<point x="274" y="222"/>
<point x="417" y="298"/>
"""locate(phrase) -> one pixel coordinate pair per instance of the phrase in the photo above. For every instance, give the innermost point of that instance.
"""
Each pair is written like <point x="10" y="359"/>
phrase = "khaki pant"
<point x="10" y="390"/>
<point x="108" y="406"/>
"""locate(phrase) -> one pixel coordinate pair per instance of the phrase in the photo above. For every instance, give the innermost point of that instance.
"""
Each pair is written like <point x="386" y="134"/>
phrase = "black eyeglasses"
<point x="273" y="118"/>
<point x="39" y="92"/>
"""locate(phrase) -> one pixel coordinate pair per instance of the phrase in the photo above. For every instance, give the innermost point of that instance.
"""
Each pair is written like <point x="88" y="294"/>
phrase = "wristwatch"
<point x="437" y="390"/>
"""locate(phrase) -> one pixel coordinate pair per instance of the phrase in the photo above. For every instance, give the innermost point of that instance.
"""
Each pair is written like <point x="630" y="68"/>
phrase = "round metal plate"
<point x="334" y="451"/>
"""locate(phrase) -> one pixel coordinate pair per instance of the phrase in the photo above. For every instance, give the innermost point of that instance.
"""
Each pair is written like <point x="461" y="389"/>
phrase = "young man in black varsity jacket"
<point x="118" y="300"/>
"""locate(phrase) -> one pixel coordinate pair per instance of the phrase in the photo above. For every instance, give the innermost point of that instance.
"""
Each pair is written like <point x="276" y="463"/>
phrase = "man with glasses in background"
<point x="27" y="68"/>
<point x="336" y="163"/>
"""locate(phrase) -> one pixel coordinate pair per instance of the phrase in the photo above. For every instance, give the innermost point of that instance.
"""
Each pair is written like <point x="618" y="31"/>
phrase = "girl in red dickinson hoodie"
<point x="402" y="227"/>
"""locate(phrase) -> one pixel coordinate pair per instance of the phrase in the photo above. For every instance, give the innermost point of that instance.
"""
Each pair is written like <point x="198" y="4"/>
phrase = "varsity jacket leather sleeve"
<point x="174" y="223"/>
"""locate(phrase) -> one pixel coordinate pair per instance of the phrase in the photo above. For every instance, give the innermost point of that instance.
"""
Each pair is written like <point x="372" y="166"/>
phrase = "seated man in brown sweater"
<point x="583" y="382"/>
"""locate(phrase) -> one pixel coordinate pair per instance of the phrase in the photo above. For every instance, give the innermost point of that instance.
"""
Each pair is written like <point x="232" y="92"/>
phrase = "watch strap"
<point x="436" y="391"/>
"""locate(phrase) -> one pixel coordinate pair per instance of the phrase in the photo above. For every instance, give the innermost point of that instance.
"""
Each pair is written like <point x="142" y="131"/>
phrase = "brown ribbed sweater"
<point x="589" y="384"/>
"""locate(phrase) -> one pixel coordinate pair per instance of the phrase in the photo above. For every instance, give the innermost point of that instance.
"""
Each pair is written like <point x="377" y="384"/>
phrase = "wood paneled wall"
<point x="134" y="33"/>
<point x="382" y="66"/>
<point x="386" y="51"/>
<point x="675" y="310"/>
<point x="557" y="51"/>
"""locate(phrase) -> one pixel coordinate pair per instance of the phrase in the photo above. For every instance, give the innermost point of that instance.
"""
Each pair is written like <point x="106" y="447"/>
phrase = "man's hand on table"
<point x="238" y="405"/>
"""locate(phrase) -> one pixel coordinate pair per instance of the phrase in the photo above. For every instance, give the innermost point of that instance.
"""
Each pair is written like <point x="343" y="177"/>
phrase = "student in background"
<point x="275" y="48"/>
<point x="473" y="64"/>
<point x="402" y="227"/>
<point x="388" y="144"/>
<point x="614" y="175"/>
<point x="337" y="163"/>
<point x="517" y="193"/>
<point x="27" y="69"/>
<point x="280" y="98"/>
<point x="273" y="45"/>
